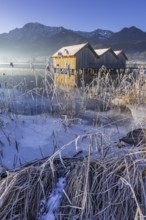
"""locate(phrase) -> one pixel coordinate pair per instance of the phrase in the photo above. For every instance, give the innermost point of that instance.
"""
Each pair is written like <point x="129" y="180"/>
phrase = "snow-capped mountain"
<point x="35" y="39"/>
<point x="33" y="31"/>
<point x="99" y="33"/>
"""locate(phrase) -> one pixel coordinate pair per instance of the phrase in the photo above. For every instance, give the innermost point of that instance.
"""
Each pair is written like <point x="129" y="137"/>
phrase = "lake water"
<point x="23" y="75"/>
<point x="22" y="88"/>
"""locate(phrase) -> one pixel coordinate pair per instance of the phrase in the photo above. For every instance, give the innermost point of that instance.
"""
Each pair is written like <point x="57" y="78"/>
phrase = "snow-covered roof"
<point x="101" y="51"/>
<point x="72" y="50"/>
<point x="69" y="50"/>
<point x="118" y="52"/>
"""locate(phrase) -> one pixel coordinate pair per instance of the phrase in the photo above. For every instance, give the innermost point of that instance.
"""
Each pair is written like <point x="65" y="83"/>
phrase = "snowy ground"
<point x="24" y="138"/>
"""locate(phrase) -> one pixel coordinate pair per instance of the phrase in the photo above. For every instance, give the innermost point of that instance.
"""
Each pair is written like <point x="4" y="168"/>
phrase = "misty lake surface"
<point x="22" y="74"/>
<point x="22" y="88"/>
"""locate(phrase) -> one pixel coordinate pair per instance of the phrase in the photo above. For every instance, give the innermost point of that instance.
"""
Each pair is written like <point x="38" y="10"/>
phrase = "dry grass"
<point x="107" y="189"/>
<point x="21" y="192"/>
<point x="101" y="189"/>
<point x="115" y="189"/>
<point x="131" y="89"/>
<point x="104" y="90"/>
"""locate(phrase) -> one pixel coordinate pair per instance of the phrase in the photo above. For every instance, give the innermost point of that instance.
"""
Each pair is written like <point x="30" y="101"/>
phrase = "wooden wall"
<point x="121" y="62"/>
<point x="63" y="61"/>
<point x="86" y="59"/>
<point x="108" y="60"/>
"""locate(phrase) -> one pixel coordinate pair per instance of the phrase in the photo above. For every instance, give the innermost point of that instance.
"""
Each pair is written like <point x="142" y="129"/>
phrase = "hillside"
<point x="35" y="39"/>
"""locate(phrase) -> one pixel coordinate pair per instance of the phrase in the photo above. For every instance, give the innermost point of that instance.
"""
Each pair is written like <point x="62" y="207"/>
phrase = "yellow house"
<point x="69" y="59"/>
<point x="75" y="57"/>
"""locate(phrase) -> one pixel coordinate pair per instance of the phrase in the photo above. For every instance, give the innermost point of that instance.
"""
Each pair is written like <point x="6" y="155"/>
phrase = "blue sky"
<point x="85" y="15"/>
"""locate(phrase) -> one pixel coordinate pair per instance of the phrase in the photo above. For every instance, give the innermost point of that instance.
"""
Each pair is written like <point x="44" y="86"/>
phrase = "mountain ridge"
<point x="35" y="39"/>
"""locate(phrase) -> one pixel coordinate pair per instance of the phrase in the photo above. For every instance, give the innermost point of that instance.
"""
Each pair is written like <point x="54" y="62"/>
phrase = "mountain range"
<point x="35" y="39"/>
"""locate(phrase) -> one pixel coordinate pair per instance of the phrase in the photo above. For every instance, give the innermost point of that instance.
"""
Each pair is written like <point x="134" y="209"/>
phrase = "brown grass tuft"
<point x="101" y="189"/>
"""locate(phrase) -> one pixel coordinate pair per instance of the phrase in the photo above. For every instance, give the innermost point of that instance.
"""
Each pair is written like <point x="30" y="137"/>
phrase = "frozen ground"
<point x="53" y="202"/>
<point x="24" y="138"/>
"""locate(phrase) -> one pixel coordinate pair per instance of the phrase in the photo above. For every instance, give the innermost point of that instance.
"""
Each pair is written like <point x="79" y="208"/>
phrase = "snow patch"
<point x="53" y="203"/>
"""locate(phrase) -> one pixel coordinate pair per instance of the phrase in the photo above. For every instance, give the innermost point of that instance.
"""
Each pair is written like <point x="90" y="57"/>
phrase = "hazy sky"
<point x="85" y="15"/>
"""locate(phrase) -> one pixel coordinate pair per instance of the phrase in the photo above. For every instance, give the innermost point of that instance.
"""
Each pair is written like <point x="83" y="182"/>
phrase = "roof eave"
<point x="87" y="44"/>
